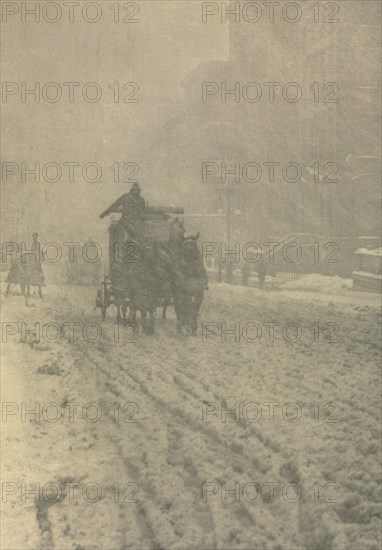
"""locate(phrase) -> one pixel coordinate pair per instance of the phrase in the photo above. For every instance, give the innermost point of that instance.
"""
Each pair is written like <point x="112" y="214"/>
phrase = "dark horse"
<point x="189" y="280"/>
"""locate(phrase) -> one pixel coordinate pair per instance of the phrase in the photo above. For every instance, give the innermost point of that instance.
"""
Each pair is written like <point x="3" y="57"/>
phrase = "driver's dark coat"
<point x="132" y="206"/>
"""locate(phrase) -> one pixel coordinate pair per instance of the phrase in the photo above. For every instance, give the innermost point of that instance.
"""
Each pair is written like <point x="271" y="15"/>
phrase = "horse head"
<point x="191" y="256"/>
<point x="177" y="231"/>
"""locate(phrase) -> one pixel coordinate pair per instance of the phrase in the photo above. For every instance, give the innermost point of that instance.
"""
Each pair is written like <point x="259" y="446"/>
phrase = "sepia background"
<point x="169" y="52"/>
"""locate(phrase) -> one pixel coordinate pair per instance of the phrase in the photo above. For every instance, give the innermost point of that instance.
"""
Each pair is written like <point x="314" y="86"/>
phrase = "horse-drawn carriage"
<point x="153" y="269"/>
<point x="26" y="271"/>
<point x="82" y="270"/>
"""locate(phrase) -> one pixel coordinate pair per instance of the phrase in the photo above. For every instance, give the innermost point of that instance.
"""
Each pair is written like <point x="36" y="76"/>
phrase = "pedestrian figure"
<point x="16" y="275"/>
<point x="32" y="267"/>
<point x="261" y="269"/>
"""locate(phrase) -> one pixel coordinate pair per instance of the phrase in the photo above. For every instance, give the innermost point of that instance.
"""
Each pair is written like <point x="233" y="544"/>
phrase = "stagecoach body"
<point x="152" y="264"/>
<point x="81" y="270"/>
<point x="116" y="288"/>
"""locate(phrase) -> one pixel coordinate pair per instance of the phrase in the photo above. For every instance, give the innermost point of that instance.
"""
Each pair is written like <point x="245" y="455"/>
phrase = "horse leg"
<point x="151" y="321"/>
<point x="124" y="310"/>
<point x="132" y="313"/>
<point x="194" y="324"/>
<point x="165" y="306"/>
<point x="118" y="312"/>
<point x="8" y="289"/>
<point x="197" y="304"/>
<point x="40" y="292"/>
<point x="145" y="327"/>
<point x="180" y="325"/>
<point x="191" y="321"/>
<point x="179" y="315"/>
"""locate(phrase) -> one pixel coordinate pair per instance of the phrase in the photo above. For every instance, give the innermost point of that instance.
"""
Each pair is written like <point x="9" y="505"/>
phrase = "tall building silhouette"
<point x="333" y="122"/>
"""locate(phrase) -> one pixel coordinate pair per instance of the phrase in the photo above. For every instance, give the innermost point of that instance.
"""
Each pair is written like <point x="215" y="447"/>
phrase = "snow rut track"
<point x="158" y="497"/>
<point x="184" y="462"/>
<point x="172" y="450"/>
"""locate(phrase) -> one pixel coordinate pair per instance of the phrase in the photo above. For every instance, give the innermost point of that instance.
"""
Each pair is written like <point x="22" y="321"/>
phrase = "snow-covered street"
<point x="265" y="437"/>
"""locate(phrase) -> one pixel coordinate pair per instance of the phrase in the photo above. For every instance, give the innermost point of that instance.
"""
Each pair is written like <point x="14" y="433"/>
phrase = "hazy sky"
<point x="156" y="53"/>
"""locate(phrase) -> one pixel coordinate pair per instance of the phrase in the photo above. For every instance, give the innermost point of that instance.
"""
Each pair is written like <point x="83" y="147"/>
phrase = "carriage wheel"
<point x="103" y="300"/>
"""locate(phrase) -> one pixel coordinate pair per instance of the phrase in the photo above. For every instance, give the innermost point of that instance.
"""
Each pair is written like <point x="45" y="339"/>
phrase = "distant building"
<point x="306" y="132"/>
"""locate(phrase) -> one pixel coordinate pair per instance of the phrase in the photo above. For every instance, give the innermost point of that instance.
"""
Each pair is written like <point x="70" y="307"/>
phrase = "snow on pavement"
<point x="157" y="463"/>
